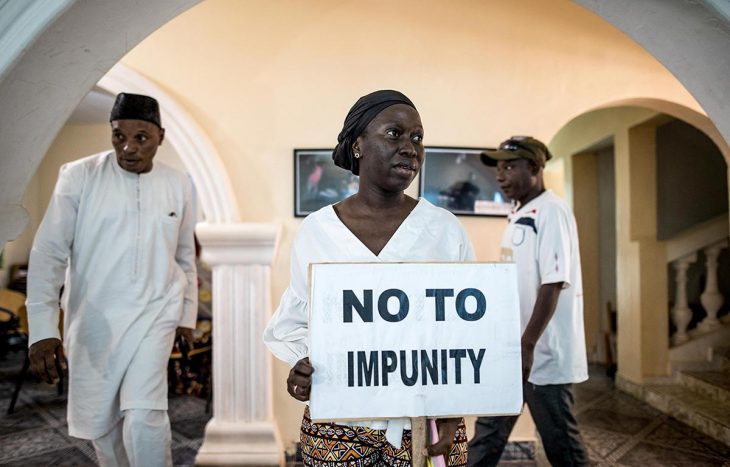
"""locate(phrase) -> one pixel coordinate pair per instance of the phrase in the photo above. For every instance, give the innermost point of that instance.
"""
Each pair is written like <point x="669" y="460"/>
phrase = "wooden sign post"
<point x="418" y="441"/>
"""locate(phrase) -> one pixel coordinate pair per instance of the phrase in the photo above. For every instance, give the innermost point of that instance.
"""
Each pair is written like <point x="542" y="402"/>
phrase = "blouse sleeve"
<point x="467" y="250"/>
<point x="287" y="334"/>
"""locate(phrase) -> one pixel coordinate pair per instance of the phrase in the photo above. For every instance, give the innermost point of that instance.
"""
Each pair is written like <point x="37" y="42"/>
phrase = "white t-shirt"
<point x="429" y="233"/>
<point x="542" y="239"/>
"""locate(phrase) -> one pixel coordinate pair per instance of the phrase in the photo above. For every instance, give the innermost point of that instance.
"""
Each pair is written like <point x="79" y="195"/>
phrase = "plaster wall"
<point x="585" y="205"/>
<point x="640" y="292"/>
<point x="692" y="179"/>
<point x="607" y="239"/>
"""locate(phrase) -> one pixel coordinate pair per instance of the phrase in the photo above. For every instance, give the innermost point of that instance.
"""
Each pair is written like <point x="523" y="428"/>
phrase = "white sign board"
<point x="392" y="340"/>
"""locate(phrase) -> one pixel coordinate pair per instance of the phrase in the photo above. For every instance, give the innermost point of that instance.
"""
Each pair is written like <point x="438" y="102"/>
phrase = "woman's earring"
<point x="357" y="155"/>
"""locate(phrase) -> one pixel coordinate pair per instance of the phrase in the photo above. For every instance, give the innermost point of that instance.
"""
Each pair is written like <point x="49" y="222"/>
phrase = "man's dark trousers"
<point x="551" y="407"/>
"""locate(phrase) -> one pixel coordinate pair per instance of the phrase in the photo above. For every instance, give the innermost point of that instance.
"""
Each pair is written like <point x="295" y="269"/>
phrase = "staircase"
<point x="698" y="397"/>
<point x="698" y="390"/>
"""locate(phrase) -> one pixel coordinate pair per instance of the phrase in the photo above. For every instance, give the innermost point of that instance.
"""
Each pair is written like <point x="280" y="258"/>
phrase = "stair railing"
<point x="711" y="237"/>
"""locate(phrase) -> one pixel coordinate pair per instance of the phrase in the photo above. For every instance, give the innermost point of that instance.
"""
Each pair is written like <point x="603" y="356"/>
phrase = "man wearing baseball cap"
<point x="542" y="240"/>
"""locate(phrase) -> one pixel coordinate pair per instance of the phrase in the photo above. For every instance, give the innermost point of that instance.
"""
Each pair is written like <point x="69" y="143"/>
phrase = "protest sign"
<point x="392" y="340"/>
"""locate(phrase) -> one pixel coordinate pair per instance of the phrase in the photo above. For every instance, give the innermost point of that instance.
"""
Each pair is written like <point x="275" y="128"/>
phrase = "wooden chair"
<point x="181" y="359"/>
<point x="11" y="304"/>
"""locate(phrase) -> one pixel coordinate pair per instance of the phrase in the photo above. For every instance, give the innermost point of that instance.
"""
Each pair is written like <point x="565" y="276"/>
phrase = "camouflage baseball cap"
<point x="518" y="147"/>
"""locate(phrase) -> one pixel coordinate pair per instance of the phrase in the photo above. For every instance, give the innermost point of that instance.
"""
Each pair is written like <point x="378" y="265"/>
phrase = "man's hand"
<point x="299" y="381"/>
<point x="187" y="336"/>
<point x="47" y="359"/>
<point x="542" y="312"/>
<point x="447" y="431"/>
<point x="528" y="352"/>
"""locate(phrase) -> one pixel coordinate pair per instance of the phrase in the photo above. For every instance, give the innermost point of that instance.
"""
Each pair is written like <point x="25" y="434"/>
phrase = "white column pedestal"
<point x="240" y="443"/>
<point x="242" y="430"/>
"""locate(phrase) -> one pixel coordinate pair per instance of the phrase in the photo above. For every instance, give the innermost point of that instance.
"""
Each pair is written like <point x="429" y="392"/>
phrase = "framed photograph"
<point x="318" y="181"/>
<point x="457" y="180"/>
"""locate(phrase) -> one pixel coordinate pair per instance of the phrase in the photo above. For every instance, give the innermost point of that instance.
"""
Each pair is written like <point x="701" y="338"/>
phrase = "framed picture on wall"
<point x="318" y="181"/>
<point x="457" y="180"/>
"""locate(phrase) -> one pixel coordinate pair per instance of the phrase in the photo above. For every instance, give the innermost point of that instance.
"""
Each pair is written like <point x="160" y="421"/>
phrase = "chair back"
<point x="11" y="302"/>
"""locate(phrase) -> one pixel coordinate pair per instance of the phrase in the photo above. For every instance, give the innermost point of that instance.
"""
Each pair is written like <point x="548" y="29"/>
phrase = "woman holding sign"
<point x="382" y="142"/>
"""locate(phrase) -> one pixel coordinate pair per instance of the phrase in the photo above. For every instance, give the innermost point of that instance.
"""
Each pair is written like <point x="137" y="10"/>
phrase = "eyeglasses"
<point x="513" y="145"/>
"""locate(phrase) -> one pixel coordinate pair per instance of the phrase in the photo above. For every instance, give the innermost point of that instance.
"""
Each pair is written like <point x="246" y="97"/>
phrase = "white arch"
<point x="189" y="140"/>
<point x="690" y="38"/>
<point x="21" y="23"/>
<point x="681" y="112"/>
<point x="49" y="62"/>
<point x="673" y="109"/>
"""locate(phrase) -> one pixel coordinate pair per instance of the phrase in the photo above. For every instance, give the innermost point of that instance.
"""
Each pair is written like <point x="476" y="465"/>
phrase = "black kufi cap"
<point x="360" y="115"/>
<point x="136" y="107"/>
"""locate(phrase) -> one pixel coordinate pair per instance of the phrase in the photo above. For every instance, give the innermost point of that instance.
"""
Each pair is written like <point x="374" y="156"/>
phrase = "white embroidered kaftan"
<point x="428" y="233"/>
<point x="123" y="242"/>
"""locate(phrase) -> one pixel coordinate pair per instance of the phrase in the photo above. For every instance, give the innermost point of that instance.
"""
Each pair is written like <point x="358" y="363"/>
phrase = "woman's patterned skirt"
<point x="332" y="445"/>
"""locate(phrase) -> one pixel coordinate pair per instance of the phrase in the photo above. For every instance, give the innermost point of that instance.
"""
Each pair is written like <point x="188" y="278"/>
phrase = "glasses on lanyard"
<point x="513" y="144"/>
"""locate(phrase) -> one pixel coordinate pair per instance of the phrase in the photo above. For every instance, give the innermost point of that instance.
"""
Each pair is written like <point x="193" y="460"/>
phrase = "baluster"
<point x="711" y="297"/>
<point x="681" y="314"/>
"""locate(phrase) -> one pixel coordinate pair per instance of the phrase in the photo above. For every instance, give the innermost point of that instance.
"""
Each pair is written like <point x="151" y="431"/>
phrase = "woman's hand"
<point x="299" y="381"/>
<point x="447" y="431"/>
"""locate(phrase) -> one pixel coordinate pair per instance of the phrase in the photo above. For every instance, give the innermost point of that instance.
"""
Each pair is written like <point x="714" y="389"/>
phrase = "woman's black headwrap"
<point x="360" y="115"/>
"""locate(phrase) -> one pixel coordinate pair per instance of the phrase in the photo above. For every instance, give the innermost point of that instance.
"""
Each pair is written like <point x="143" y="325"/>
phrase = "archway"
<point x="630" y="130"/>
<point x="690" y="38"/>
<point x="54" y="56"/>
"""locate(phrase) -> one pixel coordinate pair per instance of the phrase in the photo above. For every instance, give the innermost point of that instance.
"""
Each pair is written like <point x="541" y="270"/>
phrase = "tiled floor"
<point x="618" y="429"/>
<point x="36" y="433"/>
<point x="622" y="431"/>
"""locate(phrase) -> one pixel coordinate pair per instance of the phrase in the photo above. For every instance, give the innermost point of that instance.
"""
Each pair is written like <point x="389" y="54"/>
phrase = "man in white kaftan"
<point x="119" y="233"/>
<point x="428" y="234"/>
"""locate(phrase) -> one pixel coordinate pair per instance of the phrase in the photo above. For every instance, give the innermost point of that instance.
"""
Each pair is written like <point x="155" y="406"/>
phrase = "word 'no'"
<point x="364" y="308"/>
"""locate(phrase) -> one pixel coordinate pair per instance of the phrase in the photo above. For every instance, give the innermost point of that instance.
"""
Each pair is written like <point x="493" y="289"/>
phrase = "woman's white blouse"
<point x="428" y="234"/>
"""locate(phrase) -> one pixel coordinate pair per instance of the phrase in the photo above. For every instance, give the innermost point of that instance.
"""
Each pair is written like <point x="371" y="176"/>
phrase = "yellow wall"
<point x="263" y="77"/>
<point x="585" y="205"/>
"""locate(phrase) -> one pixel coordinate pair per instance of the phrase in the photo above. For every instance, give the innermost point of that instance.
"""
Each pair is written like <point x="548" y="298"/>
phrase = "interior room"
<point x="627" y="97"/>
